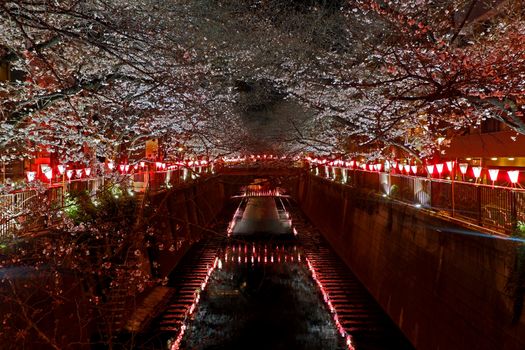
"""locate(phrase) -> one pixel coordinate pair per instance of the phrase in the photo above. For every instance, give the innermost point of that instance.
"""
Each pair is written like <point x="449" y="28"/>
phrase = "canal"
<point x="255" y="290"/>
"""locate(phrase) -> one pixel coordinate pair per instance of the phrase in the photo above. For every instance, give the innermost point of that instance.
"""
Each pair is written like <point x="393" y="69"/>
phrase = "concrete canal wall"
<point x="443" y="284"/>
<point x="183" y="216"/>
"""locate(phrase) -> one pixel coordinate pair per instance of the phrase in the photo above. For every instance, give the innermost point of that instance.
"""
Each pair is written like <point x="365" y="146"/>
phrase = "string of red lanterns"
<point x="431" y="169"/>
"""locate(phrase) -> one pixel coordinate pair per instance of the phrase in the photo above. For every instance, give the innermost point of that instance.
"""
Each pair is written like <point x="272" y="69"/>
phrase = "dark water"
<point x="263" y="297"/>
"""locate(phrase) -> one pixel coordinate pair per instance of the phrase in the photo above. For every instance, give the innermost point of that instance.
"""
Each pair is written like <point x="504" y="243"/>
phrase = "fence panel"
<point x="519" y="209"/>
<point x="496" y="206"/>
<point x="441" y="194"/>
<point x="96" y="184"/>
<point x="77" y="186"/>
<point x="395" y="186"/>
<point x="7" y="204"/>
<point x="467" y="201"/>
<point x="55" y="195"/>
<point x="12" y="209"/>
<point x="422" y="191"/>
<point x="406" y="189"/>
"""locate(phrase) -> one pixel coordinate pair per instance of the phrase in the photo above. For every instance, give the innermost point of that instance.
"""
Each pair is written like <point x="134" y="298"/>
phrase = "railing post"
<point x="478" y="197"/>
<point x="453" y="193"/>
<point x="513" y="212"/>
<point x="430" y="196"/>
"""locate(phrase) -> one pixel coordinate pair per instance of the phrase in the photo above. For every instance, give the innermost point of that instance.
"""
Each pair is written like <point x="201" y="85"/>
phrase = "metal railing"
<point x="496" y="207"/>
<point x="15" y="206"/>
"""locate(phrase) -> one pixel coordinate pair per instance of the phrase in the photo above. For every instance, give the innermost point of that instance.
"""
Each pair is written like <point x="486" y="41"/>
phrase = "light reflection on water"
<point x="262" y="297"/>
<point x="260" y="253"/>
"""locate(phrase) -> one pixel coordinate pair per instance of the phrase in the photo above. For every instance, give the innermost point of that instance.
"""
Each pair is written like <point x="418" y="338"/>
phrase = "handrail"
<point x="498" y="208"/>
<point x="11" y="208"/>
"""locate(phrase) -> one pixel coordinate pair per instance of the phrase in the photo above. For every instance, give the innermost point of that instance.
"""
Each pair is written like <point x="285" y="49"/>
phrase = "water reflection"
<point x="262" y="297"/>
<point x="260" y="253"/>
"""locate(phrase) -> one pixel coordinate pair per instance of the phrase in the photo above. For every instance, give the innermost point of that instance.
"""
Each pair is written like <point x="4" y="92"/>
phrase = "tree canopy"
<point x="231" y="76"/>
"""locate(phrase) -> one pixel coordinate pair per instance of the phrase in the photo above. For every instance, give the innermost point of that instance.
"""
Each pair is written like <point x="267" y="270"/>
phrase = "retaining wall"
<point x="441" y="282"/>
<point x="183" y="216"/>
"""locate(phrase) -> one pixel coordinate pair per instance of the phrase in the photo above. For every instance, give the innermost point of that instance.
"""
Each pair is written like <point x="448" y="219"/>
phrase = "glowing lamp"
<point x="513" y="175"/>
<point x="61" y="168"/>
<point x="121" y="167"/>
<point x="493" y="173"/>
<point x="142" y="164"/>
<point x="111" y="165"/>
<point x="407" y="168"/>
<point x="378" y="166"/>
<point x="463" y="168"/>
<point x="439" y="168"/>
<point x="400" y="166"/>
<point x="31" y="176"/>
<point x="48" y="173"/>
<point x="87" y="171"/>
<point x="414" y="169"/>
<point x="476" y="171"/>
<point x="44" y="167"/>
<point x="78" y="172"/>
<point x="126" y="167"/>
<point x="430" y="169"/>
<point x="69" y="174"/>
<point x="135" y="167"/>
<point x="163" y="165"/>
<point x="450" y="165"/>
